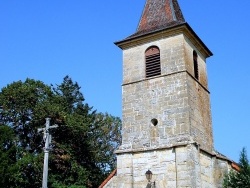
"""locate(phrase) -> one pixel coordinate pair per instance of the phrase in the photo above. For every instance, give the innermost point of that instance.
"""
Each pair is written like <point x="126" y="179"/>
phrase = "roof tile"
<point x="159" y="14"/>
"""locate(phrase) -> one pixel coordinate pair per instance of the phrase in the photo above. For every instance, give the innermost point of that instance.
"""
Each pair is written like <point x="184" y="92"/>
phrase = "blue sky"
<point x="47" y="40"/>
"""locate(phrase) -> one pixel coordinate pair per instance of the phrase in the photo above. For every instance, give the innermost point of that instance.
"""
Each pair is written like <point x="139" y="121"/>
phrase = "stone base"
<point x="174" y="167"/>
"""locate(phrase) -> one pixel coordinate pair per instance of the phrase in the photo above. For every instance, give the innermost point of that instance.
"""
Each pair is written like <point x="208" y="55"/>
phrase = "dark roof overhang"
<point x="169" y="30"/>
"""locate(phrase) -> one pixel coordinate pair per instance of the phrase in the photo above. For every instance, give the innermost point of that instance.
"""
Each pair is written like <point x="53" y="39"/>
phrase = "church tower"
<point x="166" y="124"/>
<point x="165" y="90"/>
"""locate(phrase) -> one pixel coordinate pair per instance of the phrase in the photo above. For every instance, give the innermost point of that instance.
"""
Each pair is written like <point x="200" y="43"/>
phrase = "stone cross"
<point x="47" y="139"/>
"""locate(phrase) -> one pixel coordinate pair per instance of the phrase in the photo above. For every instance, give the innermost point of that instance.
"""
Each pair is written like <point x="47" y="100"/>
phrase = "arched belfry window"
<point x="153" y="64"/>
<point x="196" y="68"/>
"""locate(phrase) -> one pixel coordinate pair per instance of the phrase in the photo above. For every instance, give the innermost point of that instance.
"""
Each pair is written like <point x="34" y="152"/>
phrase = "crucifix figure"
<point x="47" y="139"/>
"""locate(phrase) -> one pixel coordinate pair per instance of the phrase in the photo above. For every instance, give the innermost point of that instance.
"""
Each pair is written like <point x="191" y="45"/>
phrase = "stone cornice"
<point x="144" y="79"/>
<point x="139" y="150"/>
<point x="181" y="144"/>
<point x="163" y="75"/>
<point x="184" y="29"/>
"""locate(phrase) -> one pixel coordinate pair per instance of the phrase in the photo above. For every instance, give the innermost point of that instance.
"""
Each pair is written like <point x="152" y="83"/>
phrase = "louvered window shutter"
<point x="153" y="64"/>
<point x="196" y="68"/>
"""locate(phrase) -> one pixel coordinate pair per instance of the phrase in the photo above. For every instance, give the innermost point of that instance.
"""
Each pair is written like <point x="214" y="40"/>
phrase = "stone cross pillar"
<point x="47" y="139"/>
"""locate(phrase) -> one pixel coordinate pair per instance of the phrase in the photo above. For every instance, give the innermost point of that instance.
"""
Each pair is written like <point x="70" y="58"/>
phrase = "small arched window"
<point x="153" y="64"/>
<point x="196" y="68"/>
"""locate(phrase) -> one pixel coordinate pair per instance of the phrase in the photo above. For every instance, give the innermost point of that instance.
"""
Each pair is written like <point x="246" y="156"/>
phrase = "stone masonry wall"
<point x="199" y="99"/>
<point x="172" y="58"/>
<point x="161" y="163"/>
<point x="177" y="100"/>
<point x="200" y="115"/>
<point x="184" y="166"/>
<point x="188" y="169"/>
<point x="189" y="48"/>
<point x="164" y="98"/>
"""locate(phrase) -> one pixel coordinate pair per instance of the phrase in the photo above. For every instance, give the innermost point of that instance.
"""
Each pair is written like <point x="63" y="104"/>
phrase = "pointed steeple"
<point x="162" y="17"/>
<point x="160" y="14"/>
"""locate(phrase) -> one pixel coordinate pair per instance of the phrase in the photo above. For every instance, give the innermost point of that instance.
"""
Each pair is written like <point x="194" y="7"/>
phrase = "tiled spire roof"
<point x="159" y="14"/>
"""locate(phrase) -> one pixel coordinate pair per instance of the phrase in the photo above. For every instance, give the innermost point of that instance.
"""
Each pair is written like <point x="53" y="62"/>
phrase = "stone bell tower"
<point x="165" y="80"/>
<point x="166" y="125"/>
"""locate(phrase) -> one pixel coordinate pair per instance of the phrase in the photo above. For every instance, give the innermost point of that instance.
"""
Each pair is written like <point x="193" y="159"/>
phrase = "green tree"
<point x="19" y="102"/>
<point x="241" y="178"/>
<point x="83" y="144"/>
<point x="7" y="153"/>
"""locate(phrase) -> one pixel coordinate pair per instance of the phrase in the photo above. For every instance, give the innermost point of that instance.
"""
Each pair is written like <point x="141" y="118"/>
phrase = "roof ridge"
<point x="113" y="173"/>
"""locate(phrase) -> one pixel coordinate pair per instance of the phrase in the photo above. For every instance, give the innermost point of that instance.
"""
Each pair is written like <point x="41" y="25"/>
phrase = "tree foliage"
<point x="241" y="178"/>
<point x="83" y="144"/>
